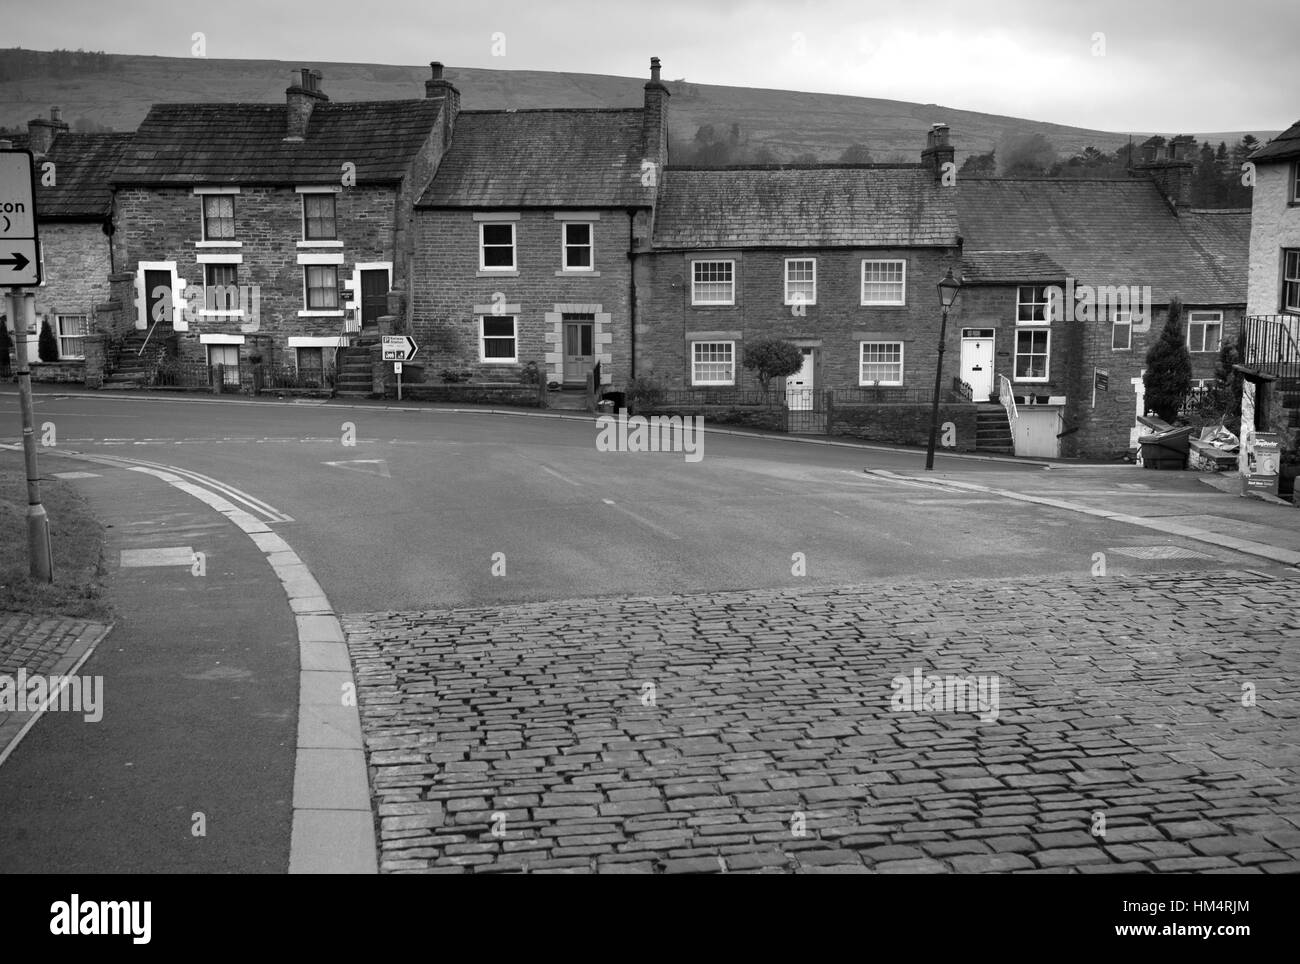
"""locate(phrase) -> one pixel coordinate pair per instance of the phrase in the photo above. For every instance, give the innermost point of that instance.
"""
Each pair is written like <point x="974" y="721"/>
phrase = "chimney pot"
<point x="56" y="113"/>
<point x="435" y="68"/>
<point x="654" y="70"/>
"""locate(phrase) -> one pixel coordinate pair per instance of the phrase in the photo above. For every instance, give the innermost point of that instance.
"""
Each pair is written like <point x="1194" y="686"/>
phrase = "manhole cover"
<point x="1158" y="552"/>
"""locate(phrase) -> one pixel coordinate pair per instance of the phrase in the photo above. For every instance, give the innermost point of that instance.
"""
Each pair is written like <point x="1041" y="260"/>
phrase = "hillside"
<point x="116" y="91"/>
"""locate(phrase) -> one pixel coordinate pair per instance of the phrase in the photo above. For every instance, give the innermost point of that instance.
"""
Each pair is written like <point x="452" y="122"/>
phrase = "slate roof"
<point x="1283" y="147"/>
<point x="83" y="164"/>
<point x="1109" y="232"/>
<point x="1006" y="267"/>
<point x="804" y="207"/>
<point x="182" y="144"/>
<point x="542" y="158"/>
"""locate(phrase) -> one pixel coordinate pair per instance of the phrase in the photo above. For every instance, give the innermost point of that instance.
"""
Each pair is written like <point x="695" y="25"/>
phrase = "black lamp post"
<point x="948" y="288"/>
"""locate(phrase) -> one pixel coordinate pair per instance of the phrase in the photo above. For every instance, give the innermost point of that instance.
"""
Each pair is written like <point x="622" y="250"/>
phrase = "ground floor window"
<point x="311" y="362"/>
<point x="1032" y="355"/>
<point x="713" y="363"/>
<point x="227" y="357"/>
<point x="880" y="363"/>
<point x="72" y="331"/>
<point x="497" y="340"/>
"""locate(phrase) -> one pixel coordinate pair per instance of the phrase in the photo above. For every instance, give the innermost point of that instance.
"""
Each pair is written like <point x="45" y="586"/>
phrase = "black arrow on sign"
<point x="19" y="261"/>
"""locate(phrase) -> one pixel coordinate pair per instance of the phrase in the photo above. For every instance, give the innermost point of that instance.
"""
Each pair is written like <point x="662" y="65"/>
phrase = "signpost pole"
<point x="398" y="366"/>
<point x="22" y="309"/>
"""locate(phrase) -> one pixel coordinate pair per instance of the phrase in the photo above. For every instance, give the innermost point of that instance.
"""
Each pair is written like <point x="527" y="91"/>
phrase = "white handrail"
<point x="1007" y="399"/>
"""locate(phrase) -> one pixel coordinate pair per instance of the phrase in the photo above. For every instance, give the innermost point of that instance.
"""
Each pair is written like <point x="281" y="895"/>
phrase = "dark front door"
<point x="374" y="297"/>
<point x="158" y="292"/>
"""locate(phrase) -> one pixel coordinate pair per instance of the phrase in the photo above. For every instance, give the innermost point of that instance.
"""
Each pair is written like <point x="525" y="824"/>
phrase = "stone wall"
<point x="905" y="424"/>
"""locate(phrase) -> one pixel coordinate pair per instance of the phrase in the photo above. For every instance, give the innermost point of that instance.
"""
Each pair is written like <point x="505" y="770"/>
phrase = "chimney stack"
<point x="41" y="132"/>
<point x="938" y="151"/>
<point x="439" y="88"/>
<point x="300" y="98"/>
<point x="654" y="120"/>
<point x="1169" y="164"/>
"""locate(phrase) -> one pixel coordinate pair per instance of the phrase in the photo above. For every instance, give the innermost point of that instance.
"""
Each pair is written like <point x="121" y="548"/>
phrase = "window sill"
<point x="577" y="274"/>
<point x="801" y="304"/>
<point x="205" y="313"/>
<point x="882" y="304"/>
<point x="218" y="244"/>
<point x="709" y="304"/>
<point x="320" y="244"/>
<point x="713" y="384"/>
<point x="880" y="384"/>
<point x="498" y="361"/>
<point x="313" y="313"/>
<point x="1030" y="381"/>
<point x="498" y="273"/>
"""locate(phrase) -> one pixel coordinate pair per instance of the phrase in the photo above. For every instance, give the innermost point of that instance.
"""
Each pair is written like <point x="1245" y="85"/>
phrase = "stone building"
<point x="279" y="231"/>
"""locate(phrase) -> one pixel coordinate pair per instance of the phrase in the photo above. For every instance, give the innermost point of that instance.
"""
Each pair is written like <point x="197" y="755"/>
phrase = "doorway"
<point x="977" y="361"/>
<point x="579" y="353"/>
<point x="374" y="297"/>
<point x="799" y="386"/>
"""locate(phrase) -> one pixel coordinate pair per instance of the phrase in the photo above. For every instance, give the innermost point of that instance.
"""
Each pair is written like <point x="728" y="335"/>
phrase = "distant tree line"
<point x="1216" y="175"/>
<point x="19" y="64"/>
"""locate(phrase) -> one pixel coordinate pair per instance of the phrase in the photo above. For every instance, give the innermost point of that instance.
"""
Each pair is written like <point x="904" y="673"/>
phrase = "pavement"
<point x="208" y="756"/>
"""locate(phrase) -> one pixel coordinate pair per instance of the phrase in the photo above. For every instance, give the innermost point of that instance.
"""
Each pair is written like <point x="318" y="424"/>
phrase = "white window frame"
<point x="1032" y="330"/>
<point x="902" y="299"/>
<point x="862" y="362"/>
<point x="731" y="348"/>
<point x="1206" y="319"/>
<point x="58" y="333"/>
<point x="482" y="246"/>
<point x="1122" y="319"/>
<point x="483" y="336"/>
<point x="1046" y="304"/>
<point x="565" y="245"/>
<point x="798" y="298"/>
<point x="731" y="265"/>
<point x="224" y="347"/>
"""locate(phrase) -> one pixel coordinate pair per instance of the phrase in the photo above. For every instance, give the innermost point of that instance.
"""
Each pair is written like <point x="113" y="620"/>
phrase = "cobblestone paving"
<point x="43" y="646"/>
<point x="755" y="731"/>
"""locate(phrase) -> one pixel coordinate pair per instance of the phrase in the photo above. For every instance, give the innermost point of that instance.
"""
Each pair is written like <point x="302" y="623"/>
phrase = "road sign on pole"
<point x="20" y="263"/>
<point x="22" y="309"/>
<point x="398" y="348"/>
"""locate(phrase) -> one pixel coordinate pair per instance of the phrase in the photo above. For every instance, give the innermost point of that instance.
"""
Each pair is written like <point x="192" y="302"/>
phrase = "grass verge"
<point x="75" y="535"/>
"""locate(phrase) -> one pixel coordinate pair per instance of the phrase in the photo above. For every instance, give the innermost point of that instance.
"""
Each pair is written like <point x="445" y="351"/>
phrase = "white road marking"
<point x="643" y="520"/>
<point x="363" y="465"/>
<point x="562" y="478"/>
<point x="77" y="475"/>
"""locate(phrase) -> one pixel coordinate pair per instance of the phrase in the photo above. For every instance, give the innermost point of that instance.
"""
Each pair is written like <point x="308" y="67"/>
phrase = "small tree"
<point x="47" y="347"/>
<point x="1227" y="384"/>
<point x="1168" y="377"/>
<point x="770" y="358"/>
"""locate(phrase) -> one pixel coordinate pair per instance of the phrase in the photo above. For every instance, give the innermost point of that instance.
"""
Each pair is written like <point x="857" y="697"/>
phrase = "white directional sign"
<point x="398" y="348"/>
<point x="20" y="264"/>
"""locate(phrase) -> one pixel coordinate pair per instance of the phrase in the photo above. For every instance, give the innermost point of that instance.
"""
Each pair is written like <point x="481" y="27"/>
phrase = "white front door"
<point x="1140" y="390"/>
<point x="977" y="362"/>
<point x="799" y="386"/>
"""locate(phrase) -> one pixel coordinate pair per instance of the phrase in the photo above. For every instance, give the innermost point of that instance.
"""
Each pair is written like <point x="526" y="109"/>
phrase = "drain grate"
<point x="1158" y="552"/>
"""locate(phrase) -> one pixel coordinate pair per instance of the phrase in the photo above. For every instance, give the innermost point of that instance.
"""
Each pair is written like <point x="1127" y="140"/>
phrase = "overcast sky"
<point x="1194" y="65"/>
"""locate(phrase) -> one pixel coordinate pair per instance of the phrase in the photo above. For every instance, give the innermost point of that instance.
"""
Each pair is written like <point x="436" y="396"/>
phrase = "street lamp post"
<point x="948" y="288"/>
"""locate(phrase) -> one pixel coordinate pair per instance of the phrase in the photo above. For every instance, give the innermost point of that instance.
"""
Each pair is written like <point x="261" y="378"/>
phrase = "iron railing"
<point x="1272" y="345"/>
<point x="291" y="376"/>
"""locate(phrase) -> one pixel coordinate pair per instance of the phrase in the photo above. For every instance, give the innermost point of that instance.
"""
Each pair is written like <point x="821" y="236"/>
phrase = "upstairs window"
<point x="1032" y="305"/>
<point x="497" y="247"/>
<point x="1204" y="330"/>
<point x="1121" y="331"/>
<point x="578" y="247"/>
<point x="884" y="282"/>
<point x="319" y="217"/>
<point x="801" y="281"/>
<point x="713" y="282"/>
<point x="1033" y="354"/>
<point x="218" y="217"/>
